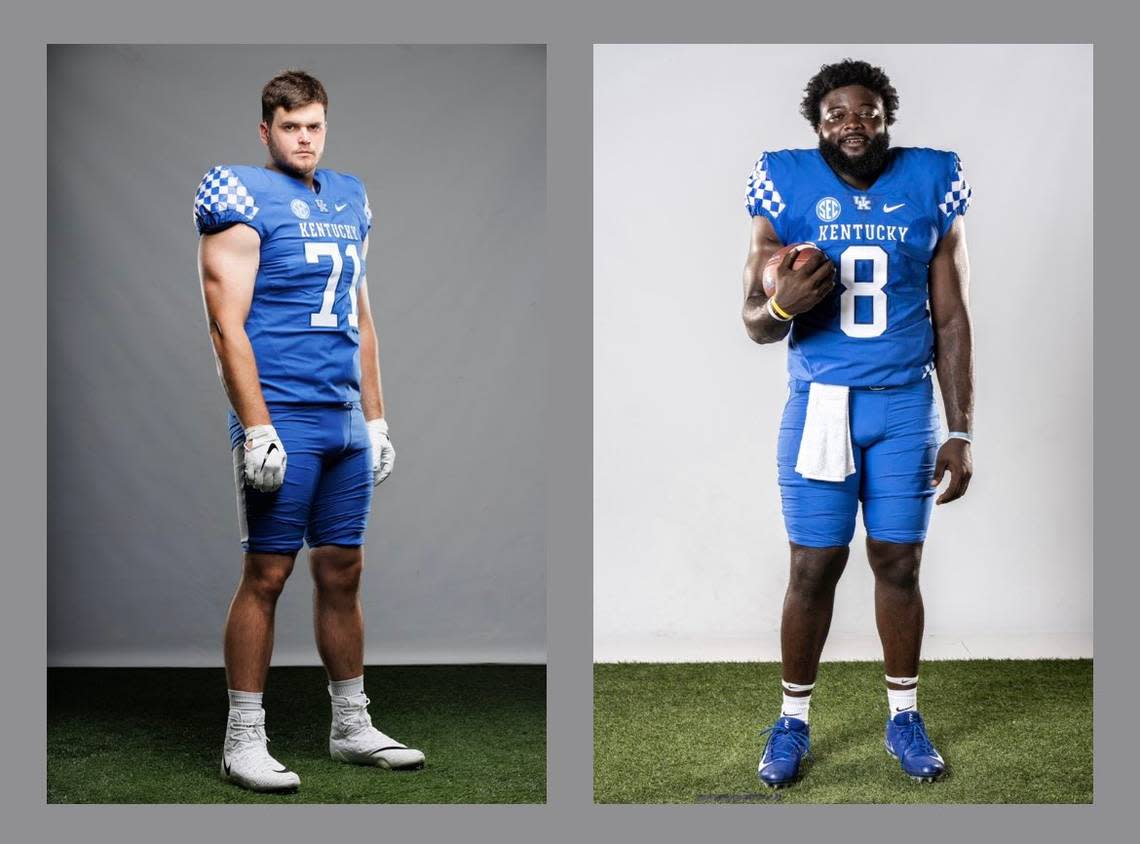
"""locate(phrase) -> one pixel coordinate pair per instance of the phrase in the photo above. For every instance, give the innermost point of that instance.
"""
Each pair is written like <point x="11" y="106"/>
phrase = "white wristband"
<point x="775" y="315"/>
<point x="960" y="435"/>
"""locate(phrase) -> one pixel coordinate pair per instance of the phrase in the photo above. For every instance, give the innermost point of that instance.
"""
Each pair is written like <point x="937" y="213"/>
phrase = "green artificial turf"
<point x="155" y="735"/>
<point x="1010" y="732"/>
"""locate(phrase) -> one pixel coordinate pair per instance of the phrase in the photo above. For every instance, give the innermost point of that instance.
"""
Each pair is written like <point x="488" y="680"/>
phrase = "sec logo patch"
<point x="300" y="208"/>
<point x="827" y="209"/>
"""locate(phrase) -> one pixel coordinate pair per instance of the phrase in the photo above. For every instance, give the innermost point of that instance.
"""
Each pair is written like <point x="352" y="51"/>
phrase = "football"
<point x="769" y="276"/>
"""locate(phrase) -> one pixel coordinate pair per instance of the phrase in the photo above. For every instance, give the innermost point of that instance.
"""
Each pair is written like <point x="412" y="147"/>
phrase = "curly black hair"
<point x="848" y="72"/>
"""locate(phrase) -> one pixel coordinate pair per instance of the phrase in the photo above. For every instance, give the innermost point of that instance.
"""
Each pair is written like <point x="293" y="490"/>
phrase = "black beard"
<point x="865" y="167"/>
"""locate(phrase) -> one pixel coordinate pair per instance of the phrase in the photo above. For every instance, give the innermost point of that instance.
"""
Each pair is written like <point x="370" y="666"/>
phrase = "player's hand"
<point x="383" y="452"/>
<point x="954" y="457"/>
<point x="264" y="458"/>
<point x="800" y="290"/>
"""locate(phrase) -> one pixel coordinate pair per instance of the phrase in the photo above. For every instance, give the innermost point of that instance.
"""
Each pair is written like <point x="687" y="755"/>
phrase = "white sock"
<point x="347" y="688"/>
<point x="796" y="706"/>
<point x="902" y="700"/>
<point x="245" y="701"/>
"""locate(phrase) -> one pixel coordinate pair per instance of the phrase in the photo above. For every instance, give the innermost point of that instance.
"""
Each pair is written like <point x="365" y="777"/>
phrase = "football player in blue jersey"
<point x="282" y="252"/>
<point x="870" y="315"/>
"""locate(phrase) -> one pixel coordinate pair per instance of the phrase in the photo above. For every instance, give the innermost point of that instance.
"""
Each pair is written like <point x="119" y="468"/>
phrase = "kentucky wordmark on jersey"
<point x="874" y="328"/>
<point x="302" y="321"/>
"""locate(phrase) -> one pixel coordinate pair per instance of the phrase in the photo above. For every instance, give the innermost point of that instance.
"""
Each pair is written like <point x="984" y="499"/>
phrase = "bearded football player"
<point x="858" y="257"/>
<point x="281" y="256"/>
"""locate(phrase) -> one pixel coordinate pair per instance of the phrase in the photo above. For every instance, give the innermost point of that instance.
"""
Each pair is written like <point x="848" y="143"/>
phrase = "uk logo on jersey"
<point x="321" y="205"/>
<point x="863" y="203"/>
<point x="828" y="209"/>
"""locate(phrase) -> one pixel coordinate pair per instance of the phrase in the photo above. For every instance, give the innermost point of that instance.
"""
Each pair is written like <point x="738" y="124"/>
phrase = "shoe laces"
<point x="785" y="744"/>
<point x="352" y="713"/>
<point x="915" y="739"/>
<point x="246" y="738"/>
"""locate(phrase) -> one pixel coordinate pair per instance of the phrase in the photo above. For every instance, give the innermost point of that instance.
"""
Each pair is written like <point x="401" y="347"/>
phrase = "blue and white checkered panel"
<point x="957" y="199"/>
<point x="762" y="194"/>
<point x="367" y="209"/>
<point x="221" y="191"/>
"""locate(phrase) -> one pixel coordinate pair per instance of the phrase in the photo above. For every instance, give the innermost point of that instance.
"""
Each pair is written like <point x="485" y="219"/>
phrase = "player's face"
<point x="853" y="133"/>
<point x="851" y="117"/>
<point x="296" y="139"/>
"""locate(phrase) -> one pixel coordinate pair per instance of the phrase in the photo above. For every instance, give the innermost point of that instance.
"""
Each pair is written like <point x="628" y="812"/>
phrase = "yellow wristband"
<point x="780" y="312"/>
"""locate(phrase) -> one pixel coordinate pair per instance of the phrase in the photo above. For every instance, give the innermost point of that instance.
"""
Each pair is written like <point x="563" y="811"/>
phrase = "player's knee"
<point x="266" y="580"/>
<point x="337" y="570"/>
<point x="815" y="571"/>
<point x="895" y="564"/>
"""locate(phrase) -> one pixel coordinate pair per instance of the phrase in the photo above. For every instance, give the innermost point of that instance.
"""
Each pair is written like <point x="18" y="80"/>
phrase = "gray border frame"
<point x="569" y="30"/>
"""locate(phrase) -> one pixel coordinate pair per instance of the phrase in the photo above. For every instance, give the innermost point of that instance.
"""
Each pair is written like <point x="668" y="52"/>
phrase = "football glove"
<point x="383" y="452"/>
<point x="264" y="458"/>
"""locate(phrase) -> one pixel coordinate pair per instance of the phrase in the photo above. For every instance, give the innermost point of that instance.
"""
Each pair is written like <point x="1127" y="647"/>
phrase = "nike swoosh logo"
<point x="340" y="208"/>
<point x="903" y="709"/>
<point x="887" y="209"/>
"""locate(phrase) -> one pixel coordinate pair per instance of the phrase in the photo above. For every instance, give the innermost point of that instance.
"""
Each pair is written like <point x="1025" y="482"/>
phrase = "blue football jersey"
<point x="302" y="321"/>
<point x="874" y="328"/>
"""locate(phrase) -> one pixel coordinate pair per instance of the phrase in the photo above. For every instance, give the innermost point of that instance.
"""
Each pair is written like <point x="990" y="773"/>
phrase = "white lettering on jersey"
<point x="327" y="230"/>
<point x="861" y="231"/>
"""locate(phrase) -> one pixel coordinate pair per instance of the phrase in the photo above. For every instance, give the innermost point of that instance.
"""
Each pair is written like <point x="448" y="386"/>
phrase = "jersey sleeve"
<point x="366" y="208"/>
<point x="956" y="192"/>
<point x="222" y="200"/>
<point x="762" y="198"/>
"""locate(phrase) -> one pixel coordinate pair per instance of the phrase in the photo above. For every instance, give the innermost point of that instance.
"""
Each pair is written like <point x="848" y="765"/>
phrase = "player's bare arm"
<point x="371" y="391"/>
<point x="953" y="356"/>
<point x="227" y="266"/>
<point x="797" y="290"/>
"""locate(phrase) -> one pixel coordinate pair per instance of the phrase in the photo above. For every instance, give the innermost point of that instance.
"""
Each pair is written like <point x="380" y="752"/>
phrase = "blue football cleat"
<point x="906" y="740"/>
<point x="788" y="742"/>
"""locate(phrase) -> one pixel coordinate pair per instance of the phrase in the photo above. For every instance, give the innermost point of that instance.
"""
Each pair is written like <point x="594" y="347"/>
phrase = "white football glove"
<point x="383" y="452"/>
<point x="264" y="458"/>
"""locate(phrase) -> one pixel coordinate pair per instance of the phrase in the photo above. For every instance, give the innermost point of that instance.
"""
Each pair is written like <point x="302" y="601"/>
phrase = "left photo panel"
<point x="296" y="386"/>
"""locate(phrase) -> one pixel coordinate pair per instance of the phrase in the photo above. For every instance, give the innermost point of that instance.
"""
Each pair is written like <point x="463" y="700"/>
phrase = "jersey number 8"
<point x="873" y="288"/>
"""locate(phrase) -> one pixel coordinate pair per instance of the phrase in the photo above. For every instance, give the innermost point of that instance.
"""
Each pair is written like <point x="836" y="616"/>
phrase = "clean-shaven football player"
<point x="870" y="317"/>
<point x="281" y="257"/>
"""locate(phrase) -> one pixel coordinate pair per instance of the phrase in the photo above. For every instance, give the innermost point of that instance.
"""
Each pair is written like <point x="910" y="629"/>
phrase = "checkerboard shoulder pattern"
<point x="761" y="193"/>
<point x="367" y="209"/>
<point x="957" y="199"/>
<point x="219" y="192"/>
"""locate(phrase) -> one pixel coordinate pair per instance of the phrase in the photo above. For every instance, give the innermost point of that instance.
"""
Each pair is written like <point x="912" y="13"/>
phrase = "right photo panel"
<point x="843" y="345"/>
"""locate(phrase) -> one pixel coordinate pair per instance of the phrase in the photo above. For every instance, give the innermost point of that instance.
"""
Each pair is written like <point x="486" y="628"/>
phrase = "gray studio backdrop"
<point x="691" y="558"/>
<point x="143" y="551"/>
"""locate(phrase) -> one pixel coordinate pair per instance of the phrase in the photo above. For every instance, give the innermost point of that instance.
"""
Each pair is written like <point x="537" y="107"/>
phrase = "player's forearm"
<point x="371" y="392"/>
<point x="954" y="362"/>
<point x="237" y="368"/>
<point x="761" y="326"/>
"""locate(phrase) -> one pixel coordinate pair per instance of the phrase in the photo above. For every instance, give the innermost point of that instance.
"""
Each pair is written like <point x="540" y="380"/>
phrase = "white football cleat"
<point x="354" y="739"/>
<point x="245" y="759"/>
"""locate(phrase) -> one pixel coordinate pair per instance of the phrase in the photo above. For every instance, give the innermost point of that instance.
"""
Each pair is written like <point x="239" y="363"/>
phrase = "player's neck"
<point x="309" y="181"/>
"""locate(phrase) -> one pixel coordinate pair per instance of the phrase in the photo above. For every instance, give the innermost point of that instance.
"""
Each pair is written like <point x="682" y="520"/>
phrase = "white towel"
<point x="825" y="447"/>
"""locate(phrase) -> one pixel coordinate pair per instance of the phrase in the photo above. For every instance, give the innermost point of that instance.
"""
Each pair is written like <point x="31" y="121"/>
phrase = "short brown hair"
<point x="291" y="89"/>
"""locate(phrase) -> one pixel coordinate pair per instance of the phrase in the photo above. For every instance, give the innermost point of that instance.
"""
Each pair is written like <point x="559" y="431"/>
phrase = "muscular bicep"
<point x="950" y="276"/>
<point x="227" y="265"/>
<point x="762" y="244"/>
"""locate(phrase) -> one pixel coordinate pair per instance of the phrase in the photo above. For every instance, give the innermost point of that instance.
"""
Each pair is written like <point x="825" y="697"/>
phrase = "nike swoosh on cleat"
<point x="382" y="749"/>
<point x="887" y="209"/>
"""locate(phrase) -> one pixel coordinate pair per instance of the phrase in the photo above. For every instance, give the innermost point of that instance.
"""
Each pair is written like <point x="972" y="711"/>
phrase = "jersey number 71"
<point x="325" y="318"/>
